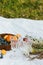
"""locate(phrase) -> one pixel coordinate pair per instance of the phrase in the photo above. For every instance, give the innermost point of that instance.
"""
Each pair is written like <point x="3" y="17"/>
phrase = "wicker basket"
<point x="6" y="47"/>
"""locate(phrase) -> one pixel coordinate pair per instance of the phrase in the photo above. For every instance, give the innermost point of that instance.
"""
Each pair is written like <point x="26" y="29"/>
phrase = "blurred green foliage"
<point x="31" y="9"/>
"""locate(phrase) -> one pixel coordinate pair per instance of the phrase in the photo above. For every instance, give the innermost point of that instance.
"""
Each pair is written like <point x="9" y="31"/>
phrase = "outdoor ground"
<point x="31" y="9"/>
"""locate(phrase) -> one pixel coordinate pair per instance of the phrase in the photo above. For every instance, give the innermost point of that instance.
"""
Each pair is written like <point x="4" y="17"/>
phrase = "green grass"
<point x="31" y="9"/>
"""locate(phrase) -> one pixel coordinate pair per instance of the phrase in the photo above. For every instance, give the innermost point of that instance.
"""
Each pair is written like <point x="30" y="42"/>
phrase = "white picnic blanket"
<point x="22" y="26"/>
<point x="17" y="58"/>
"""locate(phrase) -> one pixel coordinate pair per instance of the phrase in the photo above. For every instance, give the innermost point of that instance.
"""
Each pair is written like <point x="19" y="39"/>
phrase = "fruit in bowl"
<point x="5" y="41"/>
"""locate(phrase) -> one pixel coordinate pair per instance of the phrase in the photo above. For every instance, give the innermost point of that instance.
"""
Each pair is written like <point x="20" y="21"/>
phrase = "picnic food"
<point x="7" y="40"/>
<point x="3" y="41"/>
<point x="3" y="51"/>
<point x="37" y="46"/>
<point x="8" y="37"/>
<point x="32" y="46"/>
<point x="34" y="49"/>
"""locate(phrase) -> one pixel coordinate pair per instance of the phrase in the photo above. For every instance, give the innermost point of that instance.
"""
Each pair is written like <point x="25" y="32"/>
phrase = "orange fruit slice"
<point x="8" y="37"/>
<point x="3" y="51"/>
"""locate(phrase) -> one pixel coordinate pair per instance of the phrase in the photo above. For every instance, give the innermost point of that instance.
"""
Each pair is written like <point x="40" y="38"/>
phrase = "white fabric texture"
<point x="22" y="26"/>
